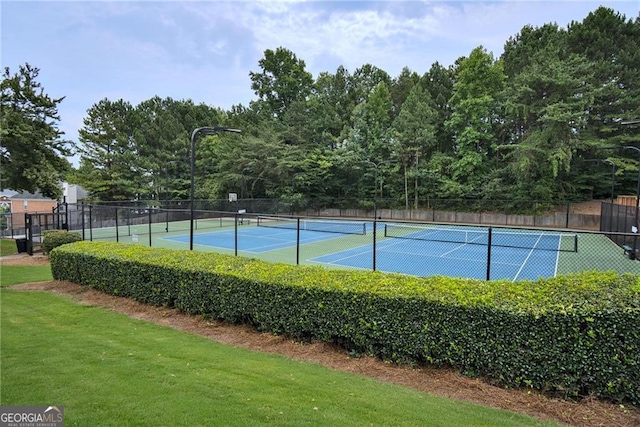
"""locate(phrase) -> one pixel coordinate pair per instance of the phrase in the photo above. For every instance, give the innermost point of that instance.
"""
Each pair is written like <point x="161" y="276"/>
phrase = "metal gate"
<point x="37" y="223"/>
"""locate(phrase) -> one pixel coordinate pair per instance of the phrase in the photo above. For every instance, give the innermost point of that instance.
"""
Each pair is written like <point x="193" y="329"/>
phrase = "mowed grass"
<point x="107" y="369"/>
<point x="14" y="274"/>
<point x="8" y="247"/>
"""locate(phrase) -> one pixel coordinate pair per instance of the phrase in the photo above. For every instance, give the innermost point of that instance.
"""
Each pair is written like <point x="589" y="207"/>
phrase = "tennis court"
<point x="414" y="250"/>
<point x="256" y="240"/>
<point x="454" y="259"/>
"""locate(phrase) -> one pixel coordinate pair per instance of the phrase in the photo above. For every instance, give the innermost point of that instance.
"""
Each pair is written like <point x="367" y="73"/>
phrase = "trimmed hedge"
<point x="54" y="238"/>
<point x="576" y="335"/>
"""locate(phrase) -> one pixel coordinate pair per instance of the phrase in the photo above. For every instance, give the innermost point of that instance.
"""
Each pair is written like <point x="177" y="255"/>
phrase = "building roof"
<point x="23" y="195"/>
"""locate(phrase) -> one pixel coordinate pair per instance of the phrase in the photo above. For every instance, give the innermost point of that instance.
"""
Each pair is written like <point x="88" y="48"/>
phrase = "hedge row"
<point x="54" y="238"/>
<point x="576" y="335"/>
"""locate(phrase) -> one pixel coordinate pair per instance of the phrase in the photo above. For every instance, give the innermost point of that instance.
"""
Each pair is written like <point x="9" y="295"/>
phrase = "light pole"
<point x="375" y="183"/>
<point x="375" y="204"/>
<point x="635" y="238"/>
<point x="200" y="131"/>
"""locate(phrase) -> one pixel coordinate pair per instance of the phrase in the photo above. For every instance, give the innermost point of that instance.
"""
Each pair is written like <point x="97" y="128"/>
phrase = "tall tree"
<point x="282" y="81"/>
<point x="329" y="109"/>
<point x="438" y="81"/>
<point x="162" y="145"/>
<point x="401" y="87"/>
<point x="250" y="166"/>
<point x="520" y="50"/>
<point x="415" y="129"/>
<point x="474" y="103"/>
<point x="371" y="136"/>
<point x="371" y="132"/>
<point x="32" y="151"/>
<point x="109" y="164"/>
<point x="549" y="99"/>
<point x="611" y="43"/>
<point x="363" y="81"/>
<point x="162" y="141"/>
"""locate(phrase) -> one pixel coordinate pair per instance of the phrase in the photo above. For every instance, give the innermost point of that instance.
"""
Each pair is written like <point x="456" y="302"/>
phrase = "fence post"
<point x="150" y="221"/>
<point x="375" y="226"/>
<point x="568" y="209"/>
<point x="235" y="233"/>
<point x="82" y="220"/>
<point x="298" y="241"/>
<point x="117" y="227"/>
<point x="489" y="234"/>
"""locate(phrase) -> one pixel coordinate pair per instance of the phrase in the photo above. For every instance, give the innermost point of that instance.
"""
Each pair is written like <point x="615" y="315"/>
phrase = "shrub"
<point x="54" y="238"/>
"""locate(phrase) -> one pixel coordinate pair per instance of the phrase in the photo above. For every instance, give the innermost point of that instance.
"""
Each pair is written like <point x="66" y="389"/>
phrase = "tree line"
<point x="542" y="122"/>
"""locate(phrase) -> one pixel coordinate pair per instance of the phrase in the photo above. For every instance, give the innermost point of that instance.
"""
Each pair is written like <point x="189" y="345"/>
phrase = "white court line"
<point x="343" y="258"/>
<point x="453" y="250"/>
<point x="526" y="259"/>
<point x="442" y="255"/>
<point x="555" y="270"/>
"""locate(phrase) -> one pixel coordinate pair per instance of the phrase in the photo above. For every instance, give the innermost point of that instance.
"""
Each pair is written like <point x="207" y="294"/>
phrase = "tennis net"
<point x="327" y="226"/>
<point x="565" y="242"/>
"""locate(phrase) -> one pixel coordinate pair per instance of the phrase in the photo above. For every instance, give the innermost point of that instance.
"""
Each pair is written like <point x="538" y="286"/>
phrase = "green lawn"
<point x="108" y="369"/>
<point x="14" y="274"/>
<point x="8" y="247"/>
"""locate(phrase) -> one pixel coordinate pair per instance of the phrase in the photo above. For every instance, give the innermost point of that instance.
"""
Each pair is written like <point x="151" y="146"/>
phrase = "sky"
<point x="204" y="50"/>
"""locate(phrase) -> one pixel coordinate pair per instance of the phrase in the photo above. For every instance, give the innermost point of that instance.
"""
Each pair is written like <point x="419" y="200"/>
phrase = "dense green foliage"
<point x="53" y="238"/>
<point x="534" y="124"/>
<point x="577" y="335"/>
<point x="32" y="150"/>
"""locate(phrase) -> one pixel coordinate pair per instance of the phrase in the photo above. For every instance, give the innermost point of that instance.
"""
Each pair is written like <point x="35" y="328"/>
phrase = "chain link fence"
<point x="357" y="240"/>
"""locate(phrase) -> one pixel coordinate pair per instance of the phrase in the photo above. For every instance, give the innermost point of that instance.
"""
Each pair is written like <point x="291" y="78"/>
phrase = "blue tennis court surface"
<point x="455" y="252"/>
<point x="256" y="239"/>
<point x="428" y="258"/>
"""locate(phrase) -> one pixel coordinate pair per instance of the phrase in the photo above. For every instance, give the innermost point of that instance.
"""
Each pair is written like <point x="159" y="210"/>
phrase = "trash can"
<point x="21" y="245"/>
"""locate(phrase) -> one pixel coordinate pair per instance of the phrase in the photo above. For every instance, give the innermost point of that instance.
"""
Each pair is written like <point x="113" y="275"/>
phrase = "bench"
<point x="629" y="251"/>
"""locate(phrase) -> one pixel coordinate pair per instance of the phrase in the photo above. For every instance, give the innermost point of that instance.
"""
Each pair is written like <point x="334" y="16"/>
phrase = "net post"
<point x="575" y="243"/>
<point x="150" y="220"/>
<point x="489" y="236"/>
